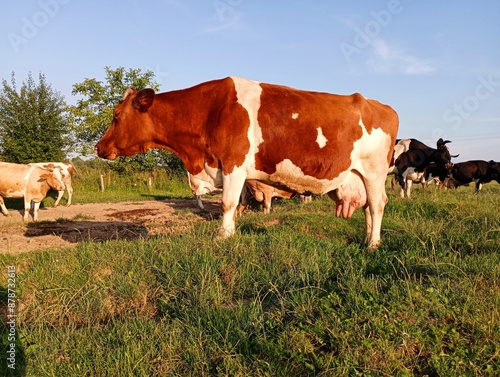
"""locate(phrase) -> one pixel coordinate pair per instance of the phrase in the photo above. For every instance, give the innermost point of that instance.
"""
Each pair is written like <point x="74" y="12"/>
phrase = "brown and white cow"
<point x="67" y="169"/>
<point x="308" y="142"/>
<point x="29" y="182"/>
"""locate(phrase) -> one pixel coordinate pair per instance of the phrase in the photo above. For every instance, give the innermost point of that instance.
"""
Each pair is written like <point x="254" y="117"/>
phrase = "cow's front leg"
<point x="2" y="206"/>
<point x="368" y="221"/>
<point x="409" y="183"/>
<point x="376" y="201"/>
<point x="36" y="207"/>
<point x="27" y="208"/>
<point x="232" y="187"/>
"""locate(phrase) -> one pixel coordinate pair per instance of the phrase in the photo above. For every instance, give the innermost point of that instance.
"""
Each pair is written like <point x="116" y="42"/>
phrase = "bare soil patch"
<point x="67" y="226"/>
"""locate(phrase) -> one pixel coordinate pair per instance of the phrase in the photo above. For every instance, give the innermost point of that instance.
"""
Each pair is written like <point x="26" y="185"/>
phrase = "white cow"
<point x="29" y="182"/>
<point x="67" y="169"/>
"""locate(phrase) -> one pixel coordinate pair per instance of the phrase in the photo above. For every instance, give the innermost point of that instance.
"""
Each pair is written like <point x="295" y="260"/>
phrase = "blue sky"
<point x="436" y="63"/>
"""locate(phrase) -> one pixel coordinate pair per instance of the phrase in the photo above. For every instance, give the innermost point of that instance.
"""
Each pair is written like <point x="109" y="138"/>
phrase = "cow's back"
<point x="307" y="140"/>
<point x="469" y="170"/>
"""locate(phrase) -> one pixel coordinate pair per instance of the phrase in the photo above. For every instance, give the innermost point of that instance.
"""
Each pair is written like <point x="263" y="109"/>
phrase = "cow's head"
<point x="131" y="130"/>
<point x="494" y="170"/>
<point x="442" y="155"/>
<point x="54" y="179"/>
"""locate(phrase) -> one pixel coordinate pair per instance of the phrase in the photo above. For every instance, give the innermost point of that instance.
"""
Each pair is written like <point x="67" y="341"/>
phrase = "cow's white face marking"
<point x="321" y="139"/>
<point x="295" y="115"/>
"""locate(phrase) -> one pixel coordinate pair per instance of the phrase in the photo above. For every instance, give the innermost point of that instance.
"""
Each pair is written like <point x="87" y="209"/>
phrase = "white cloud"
<point x="225" y="17"/>
<point x="387" y="59"/>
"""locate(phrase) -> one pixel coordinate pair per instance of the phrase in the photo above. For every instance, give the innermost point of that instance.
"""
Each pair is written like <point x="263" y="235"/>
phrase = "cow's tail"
<point x="72" y="166"/>
<point x="189" y="181"/>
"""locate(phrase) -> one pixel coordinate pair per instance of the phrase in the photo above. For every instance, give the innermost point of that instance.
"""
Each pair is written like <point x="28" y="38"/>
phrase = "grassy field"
<point x="294" y="293"/>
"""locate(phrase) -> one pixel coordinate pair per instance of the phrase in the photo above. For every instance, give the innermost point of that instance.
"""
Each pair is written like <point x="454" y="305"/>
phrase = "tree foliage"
<point x="93" y="113"/>
<point x="33" y="122"/>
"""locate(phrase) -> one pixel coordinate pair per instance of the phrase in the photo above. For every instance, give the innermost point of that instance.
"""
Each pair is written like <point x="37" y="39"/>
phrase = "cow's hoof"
<point x="372" y="247"/>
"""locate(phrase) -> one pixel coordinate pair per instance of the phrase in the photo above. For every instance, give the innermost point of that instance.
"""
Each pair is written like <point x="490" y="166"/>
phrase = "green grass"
<point x="294" y="293"/>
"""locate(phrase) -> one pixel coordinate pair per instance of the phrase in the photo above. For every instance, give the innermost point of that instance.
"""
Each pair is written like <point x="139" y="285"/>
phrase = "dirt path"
<point x="66" y="226"/>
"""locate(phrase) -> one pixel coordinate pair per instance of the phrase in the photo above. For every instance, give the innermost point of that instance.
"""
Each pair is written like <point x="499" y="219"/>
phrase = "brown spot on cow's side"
<point x="288" y="138"/>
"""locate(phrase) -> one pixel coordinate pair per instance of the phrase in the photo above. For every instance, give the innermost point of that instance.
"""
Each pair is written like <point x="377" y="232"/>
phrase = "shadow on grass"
<point x="95" y="231"/>
<point x="162" y="197"/>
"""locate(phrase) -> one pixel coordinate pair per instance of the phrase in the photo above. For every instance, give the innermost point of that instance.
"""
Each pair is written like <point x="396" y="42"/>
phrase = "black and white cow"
<point x="479" y="171"/>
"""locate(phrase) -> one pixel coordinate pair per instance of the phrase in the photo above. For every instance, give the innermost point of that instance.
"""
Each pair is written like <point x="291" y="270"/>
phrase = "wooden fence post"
<point x="102" y="183"/>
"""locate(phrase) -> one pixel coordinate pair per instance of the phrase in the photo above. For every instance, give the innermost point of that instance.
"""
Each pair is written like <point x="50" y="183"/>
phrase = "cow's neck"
<point x="180" y="119"/>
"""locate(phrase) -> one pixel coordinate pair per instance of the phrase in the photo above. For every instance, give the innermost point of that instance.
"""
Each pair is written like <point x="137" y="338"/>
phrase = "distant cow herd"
<point x="243" y="139"/>
<point x="415" y="162"/>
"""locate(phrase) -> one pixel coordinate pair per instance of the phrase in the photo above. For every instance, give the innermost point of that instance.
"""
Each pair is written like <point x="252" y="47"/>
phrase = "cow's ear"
<point x="143" y="100"/>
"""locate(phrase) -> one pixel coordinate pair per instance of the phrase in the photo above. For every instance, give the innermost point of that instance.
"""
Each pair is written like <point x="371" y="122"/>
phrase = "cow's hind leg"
<point x="233" y="185"/>
<point x="59" y="196"/>
<point x="268" y="198"/>
<point x="69" y="187"/>
<point x="199" y="202"/>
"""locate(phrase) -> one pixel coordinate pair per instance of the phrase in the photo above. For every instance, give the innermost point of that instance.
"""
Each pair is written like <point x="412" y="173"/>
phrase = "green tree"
<point x="33" y="122"/>
<point x="93" y="114"/>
